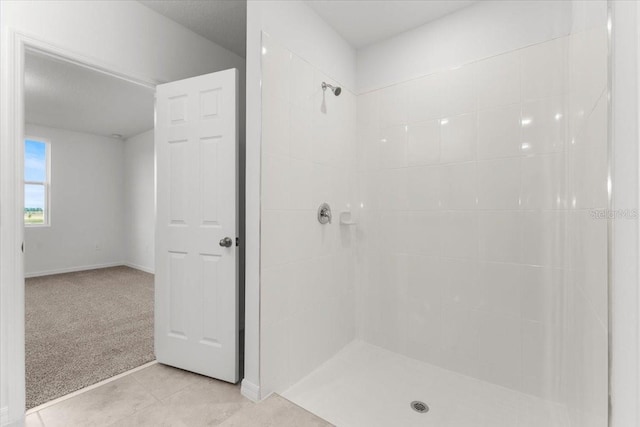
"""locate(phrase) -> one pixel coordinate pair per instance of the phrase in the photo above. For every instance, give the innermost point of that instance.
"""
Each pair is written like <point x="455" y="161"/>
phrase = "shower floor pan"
<point x="367" y="386"/>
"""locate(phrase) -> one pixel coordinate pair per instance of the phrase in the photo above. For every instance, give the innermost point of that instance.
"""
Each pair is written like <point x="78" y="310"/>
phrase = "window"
<point x="36" y="182"/>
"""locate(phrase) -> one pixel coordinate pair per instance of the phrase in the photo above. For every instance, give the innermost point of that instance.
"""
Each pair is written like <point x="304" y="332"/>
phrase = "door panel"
<point x="196" y="139"/>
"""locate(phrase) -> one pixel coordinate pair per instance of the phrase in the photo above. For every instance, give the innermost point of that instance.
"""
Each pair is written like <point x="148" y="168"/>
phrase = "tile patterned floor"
<point x="161" y="396"/>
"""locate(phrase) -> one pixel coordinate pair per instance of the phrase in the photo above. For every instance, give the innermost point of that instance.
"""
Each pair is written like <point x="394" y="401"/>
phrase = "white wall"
<point x="122" y="35"/>
<point x="125" y="34"/>
<point x="86" y="223"/>
<point x="139" y="201"/>
<point x="298" y="28"/>
<point x="484" y="29"/>
<point x="625" y="316"/>
<point x="102" y="195"/>
<point x="307" y="298"/>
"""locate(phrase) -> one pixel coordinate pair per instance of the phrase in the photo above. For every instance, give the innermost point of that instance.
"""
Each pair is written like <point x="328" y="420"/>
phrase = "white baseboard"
<point x="73" y="269"/>
<point x="139" y="267"/>
<point x="4" y="419"/>
<point x="250" y="391"/>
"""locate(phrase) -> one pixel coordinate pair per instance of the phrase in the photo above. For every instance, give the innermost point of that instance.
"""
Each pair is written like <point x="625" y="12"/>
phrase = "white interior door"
<point x="196" y="282"/>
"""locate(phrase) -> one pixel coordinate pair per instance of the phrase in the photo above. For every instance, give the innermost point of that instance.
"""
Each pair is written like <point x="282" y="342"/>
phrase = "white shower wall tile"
<point x="460" y="340"/>
<point x="500" y="355"/>
<point x="585" y="369"/>
<point x="277" y="181"/>
<point x="392" y="105"/>
<point x="475" y="249"/>
<point x="423" y="143"/>
<point x="497" y="80"/>
<point x="589" y="171"/>
<point x="543" y="238"/>
<point x="458" y="138"/>
<point x="300" y="131"/>
<point x="587" y="73"/>
<point x="541" y="292"/>
<point x="500" y="288"/>
<point x="544" y="183"/>
<point x="301" y="180"/>
<point x="307" y="269"/>
<point x="499" y="132"/>
<point x="499" y="236"/>
<point x="543" y="125"/>
<point x="392" y="143"/>
<point x="480" y="213"/>
<point x="276" y="72"/>
<point x="457" y="230"/>
<point x="368" y="109"/>
<point x="275" y="127"/>
<point x="458" y="186"/>
<point x="544" y="69"/>
<point x="460" y="279"/>
<point x="303" y="86"/>
<point x="541" y="367"/>
<point x="423" y="188"/>
<point x="424" y="233"/>
<point x="392" y="188"/>
<point x="424" y="103"/>
<point x="499" y="184"/>
<point x="457" y="92"/>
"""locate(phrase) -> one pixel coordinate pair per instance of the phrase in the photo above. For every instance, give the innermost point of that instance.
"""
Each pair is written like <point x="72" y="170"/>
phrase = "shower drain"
<point x="418" y="406"/>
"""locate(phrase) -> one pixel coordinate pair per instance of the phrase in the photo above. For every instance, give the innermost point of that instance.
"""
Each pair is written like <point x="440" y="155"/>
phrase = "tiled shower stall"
<point x="475" y="275"/>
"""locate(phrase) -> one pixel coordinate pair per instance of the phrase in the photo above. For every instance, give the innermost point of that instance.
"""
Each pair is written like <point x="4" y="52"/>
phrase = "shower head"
<point x="337" y="90"/>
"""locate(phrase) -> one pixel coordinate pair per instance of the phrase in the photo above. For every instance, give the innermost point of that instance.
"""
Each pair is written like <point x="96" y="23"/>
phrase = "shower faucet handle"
<point x="324" y="213"/>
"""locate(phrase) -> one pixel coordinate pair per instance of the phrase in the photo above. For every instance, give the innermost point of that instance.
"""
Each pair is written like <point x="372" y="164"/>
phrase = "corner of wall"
<point x="250" y="390"/>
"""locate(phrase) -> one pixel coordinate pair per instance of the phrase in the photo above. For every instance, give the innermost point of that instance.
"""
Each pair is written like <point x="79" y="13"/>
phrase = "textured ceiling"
<point x="222" y="21"/>
<point x="363" y="22"/>
<point x="67" y="96"/>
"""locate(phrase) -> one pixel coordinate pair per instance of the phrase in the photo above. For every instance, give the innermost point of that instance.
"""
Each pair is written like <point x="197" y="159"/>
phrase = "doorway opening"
<point x="89" y="215"/>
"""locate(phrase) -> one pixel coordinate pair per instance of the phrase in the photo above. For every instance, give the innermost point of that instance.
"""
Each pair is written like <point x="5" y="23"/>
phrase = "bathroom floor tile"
<point x="162" y="380"/>
<point x="33" y="420"/>
<point x="160" y="395"/>
<point x="274" y="411"/>
<point x="100" y="406"/>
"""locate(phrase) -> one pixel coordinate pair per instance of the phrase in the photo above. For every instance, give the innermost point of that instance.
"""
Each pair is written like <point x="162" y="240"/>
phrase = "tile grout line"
<point x="53" y="402"/>
<point x="142" y="408"/>
<point x="186" y="387"/>
<point x="137" y="381"/>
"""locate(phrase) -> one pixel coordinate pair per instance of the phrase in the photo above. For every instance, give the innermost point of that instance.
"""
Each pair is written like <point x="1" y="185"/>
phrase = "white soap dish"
<point x="345" y="218"/>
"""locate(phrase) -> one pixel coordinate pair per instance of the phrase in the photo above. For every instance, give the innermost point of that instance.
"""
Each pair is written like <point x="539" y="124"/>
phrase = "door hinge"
<point x="237" y="241"/>
<point x="22" y="247"/>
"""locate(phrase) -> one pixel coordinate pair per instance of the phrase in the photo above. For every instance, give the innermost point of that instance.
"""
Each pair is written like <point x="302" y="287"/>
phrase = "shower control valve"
<point x="324" y="213"/>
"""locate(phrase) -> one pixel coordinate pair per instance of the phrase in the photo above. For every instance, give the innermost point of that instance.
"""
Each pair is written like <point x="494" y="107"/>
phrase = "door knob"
<point x="226" y="242"/>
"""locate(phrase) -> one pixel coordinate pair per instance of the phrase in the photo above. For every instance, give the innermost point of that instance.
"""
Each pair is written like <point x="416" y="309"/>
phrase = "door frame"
<point x="12" y="314"/>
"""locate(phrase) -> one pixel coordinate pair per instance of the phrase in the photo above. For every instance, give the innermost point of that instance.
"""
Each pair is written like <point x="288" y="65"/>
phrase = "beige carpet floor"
<point x="84" y="327"/>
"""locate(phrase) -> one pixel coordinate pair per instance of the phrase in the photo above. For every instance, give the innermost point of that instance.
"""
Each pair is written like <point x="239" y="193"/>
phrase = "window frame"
<point x="46" y="184"/>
